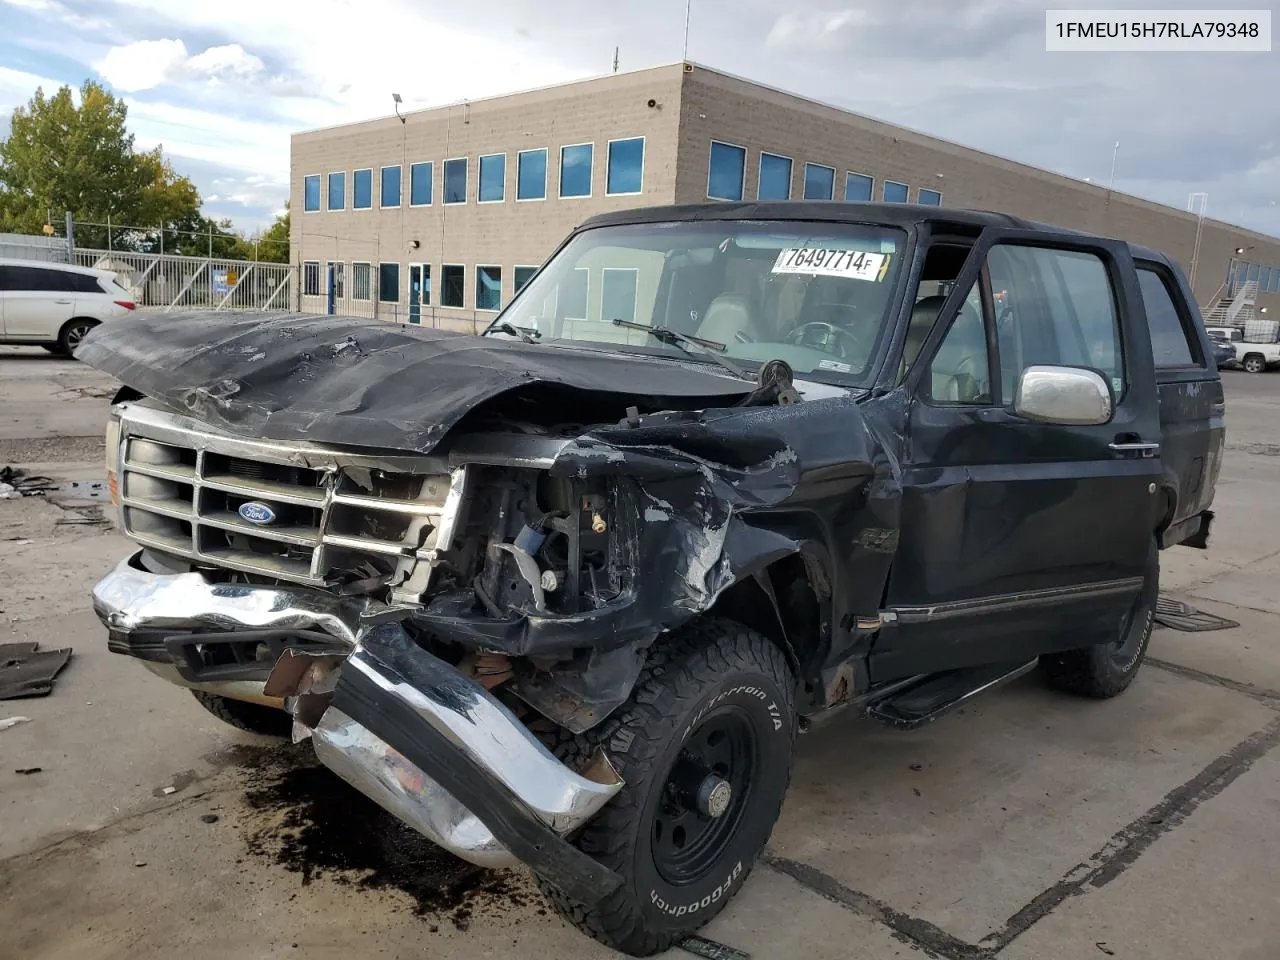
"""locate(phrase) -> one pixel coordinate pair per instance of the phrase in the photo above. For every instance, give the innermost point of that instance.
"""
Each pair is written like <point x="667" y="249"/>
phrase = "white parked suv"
<point x="54" y="305"/>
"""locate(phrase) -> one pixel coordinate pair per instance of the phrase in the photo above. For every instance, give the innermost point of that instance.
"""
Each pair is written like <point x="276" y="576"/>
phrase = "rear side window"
<point x="1170" y="344"/>
<point x="43" y="280"/>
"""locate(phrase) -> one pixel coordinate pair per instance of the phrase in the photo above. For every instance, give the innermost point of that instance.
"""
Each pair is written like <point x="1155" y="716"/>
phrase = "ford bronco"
<point x="565" y="592"/>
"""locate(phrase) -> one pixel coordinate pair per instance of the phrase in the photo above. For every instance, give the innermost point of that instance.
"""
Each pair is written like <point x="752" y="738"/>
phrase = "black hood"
<point x="362" y="382"/>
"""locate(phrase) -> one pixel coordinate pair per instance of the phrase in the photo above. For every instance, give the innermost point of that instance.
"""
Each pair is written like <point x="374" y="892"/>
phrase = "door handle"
<point x="1141" y="449"/>
<point x="62" y="302"/>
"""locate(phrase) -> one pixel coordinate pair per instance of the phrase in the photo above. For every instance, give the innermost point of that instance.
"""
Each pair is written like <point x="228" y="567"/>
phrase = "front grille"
<point x="340" y="518"/>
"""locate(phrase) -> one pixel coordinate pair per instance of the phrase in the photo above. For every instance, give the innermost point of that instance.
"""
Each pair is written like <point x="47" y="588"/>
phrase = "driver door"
<point x="1019" y="536"/>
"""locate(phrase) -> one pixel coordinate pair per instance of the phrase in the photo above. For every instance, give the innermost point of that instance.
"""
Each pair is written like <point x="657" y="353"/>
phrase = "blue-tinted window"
<point x="311" y="193"/>
<point x="493" y="178"/>
<point x="1264" y="279"/>
<point x="626" y="166"/>
<point x="819" y="182"/>
<point x="523" y="276"/>
<point x="895" y="192"/>
<point x="775" y="178"/>
<point x="337" y="191"/>
<point x="575" y="170"/>
<point x="362" y="189"/>
<point x="455" y="180"/>
<point x="618" y="293"/>
<point x="1253" y="271"/>
<point x="930" y="198"/>
<point x="488" y="288"/>
<point x="420" y="184"/>
<point x="1242" y="269"/>
<point x="725" y="170"/>
<point x="390" y="190"/>
<point x="858" y="187"/>
<point x="531" y="175"/>
<point x="389" y="282"/>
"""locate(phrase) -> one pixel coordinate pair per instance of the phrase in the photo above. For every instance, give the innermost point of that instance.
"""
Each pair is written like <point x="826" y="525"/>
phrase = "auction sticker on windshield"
<point x="820" y="261"/>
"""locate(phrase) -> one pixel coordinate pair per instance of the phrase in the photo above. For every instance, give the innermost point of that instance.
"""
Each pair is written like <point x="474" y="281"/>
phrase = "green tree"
<point x="60" y="156"/>
<point x="273" y="246"/>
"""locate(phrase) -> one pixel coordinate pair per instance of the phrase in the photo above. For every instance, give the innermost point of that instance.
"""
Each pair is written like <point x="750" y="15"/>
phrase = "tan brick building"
<point x="439" y="216"/>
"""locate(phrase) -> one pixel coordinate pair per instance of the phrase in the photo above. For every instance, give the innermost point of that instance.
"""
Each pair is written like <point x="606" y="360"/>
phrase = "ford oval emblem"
<point x="257" y="512"/>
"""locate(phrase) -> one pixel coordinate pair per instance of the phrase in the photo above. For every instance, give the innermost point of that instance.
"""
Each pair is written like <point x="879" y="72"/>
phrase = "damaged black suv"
<point x="564" y="593"/>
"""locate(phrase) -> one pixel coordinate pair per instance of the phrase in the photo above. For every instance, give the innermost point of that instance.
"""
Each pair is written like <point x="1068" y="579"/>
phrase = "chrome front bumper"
<point x="402" y="726"/>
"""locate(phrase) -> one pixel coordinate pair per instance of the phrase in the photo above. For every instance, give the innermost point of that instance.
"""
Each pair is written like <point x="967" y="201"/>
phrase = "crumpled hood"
<point x="362" y="382"/>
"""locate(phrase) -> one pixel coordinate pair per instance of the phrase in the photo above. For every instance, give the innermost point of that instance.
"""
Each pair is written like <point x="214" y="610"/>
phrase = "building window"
<point x="573" y="294"/>
<point x="311" y="278"/>
<point x="819" y="182"/>
<point x="362" y="189"/>
<point x="420" y="184"/>
<point x="531" y="175"/>
<point x="523" y="276"/>
<point x="311" y="193"/>
<point x="930" y="198"/>
<point x="426" y="285"/>
<point x="453" y="285"/>
<point x="725" y="170"/>
<point x="488" y="288"/>
<point x="337" y="191"/>
<point x="618" y="293"/>
<point x="455" y="180"/>
<point x="360" y="280"/>
<point x="626" y="167"/>
<point x="390" y="192"/>
<point x="858" y="187"/>
<point x="493" y="178"/>
<point x="333" y="270"/>
<point x="575" y="170"/>
<point x="775" y="177"/>
<point x="389" y="282"/>
<point x="894" y="192"/>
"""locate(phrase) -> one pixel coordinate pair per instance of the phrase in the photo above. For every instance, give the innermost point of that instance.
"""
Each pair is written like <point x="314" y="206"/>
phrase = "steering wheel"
<point x="832" y="339"/>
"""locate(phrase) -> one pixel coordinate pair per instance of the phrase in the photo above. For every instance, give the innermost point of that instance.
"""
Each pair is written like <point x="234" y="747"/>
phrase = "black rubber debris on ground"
<point x="1181" y="616"/>
<point x="27" y="671"/>
<point x="307" y="820"/>
<point x="711" y="949"/>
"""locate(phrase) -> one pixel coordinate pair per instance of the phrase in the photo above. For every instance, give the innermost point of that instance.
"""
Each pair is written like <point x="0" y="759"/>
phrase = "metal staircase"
<point x="1226" y="310"/>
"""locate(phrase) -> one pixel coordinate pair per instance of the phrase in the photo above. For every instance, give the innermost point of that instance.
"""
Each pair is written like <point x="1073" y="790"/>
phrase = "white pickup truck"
<point x="1254" y="356"/>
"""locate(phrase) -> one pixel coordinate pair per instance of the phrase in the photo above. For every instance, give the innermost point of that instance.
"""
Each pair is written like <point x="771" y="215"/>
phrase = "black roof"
<point x="891" y="214"/>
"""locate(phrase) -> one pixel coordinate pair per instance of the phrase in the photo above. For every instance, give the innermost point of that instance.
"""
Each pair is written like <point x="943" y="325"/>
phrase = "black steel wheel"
<point x="704" y="745"/>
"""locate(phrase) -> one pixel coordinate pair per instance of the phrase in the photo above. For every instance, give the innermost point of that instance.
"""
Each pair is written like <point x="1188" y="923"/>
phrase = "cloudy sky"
<point x="222" y="85"/>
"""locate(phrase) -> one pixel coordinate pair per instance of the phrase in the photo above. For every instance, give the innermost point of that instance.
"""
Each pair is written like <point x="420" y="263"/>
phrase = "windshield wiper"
<point x="527" y="334"/>
<point x="705" y="348"/>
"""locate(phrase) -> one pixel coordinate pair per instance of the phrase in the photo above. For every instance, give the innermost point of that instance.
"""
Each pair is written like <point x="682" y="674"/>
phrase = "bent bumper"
<point x="402" y="726"/>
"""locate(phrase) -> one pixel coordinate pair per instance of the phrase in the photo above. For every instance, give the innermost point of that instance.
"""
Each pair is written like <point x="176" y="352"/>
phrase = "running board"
<point x="939" y="693"/>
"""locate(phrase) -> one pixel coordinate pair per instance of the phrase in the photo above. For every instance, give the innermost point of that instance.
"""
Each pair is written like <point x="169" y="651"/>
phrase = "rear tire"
<point x="1254" y="363"/>
<point x="713" y="706"/>
<point x="251" y="717"/>
<point x="1106" y="669"/>
<point x="73" y="331"/>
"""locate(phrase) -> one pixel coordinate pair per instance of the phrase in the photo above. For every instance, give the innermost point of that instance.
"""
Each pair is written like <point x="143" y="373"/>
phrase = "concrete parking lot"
<point x="1028" y="826"/>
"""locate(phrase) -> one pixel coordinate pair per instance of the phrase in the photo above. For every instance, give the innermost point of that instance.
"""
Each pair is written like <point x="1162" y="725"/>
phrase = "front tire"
<point x="1254" y="364"/>
<point x="1106" y="669"/>
<point x="251" y="717"/>
<point x="704" y="745"/>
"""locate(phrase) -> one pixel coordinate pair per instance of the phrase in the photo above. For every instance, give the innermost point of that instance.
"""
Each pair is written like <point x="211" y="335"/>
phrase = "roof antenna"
<point x="615" y="59"/>
<point x="684" y="54"/>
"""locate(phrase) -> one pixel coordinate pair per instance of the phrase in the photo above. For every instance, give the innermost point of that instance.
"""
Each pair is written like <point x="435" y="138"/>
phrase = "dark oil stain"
<point x="306" y="819"/>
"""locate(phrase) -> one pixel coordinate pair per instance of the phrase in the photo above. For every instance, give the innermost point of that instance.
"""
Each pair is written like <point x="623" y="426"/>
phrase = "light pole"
<point x="1202" y="200"/>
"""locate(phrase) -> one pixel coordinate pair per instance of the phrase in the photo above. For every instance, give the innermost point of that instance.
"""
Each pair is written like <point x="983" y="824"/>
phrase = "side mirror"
<point x="1067" y="395"/>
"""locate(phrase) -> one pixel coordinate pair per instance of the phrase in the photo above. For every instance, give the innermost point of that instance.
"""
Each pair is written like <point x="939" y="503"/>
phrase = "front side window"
<point x="816" y="295"/>
<point x="420" y="184"/>
<point x="775" y="177"/>
<point x="575" y="170"/>
<point x="531" y="175"/>
<point x="390" y="190"/>
<point x="895" y="192"/>
<point x="1170" y="342"/>
<point x="360" y="276"/>
<point x="311" y="278"/>
<point x="488" y="288"/>
<point x="337" y="191"/>
<point x="726" y="168"/>
<point x="930" y="198"/>
<point x="453" y="285"/>
<point x="960" y="371"/>
<point x="858" y="187"/>
<point x="1053" y="307"/>
<point x="455" y="180"/>
<point x="819" y="182"/>
<point x="311" y="193"/>
<point x="493" y="178"/>
<point x="389" y="282"/>
<point x="626" y="166"/>
<point x="362" y="189"/>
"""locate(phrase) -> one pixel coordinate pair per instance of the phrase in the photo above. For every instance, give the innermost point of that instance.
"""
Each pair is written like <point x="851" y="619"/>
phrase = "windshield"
<point x="813" y="294"/>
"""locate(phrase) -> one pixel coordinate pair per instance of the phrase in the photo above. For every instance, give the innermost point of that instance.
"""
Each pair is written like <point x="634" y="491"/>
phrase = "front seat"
<point x="729" y="315"/>
<point x="923" y="315"/>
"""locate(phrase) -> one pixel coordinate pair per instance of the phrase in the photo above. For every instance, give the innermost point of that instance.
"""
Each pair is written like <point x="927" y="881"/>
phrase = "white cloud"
<point x="60" y="12"/>
<point x="147" y="64"/>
